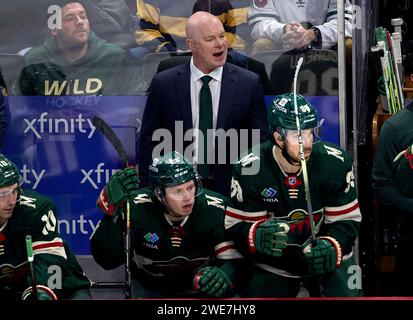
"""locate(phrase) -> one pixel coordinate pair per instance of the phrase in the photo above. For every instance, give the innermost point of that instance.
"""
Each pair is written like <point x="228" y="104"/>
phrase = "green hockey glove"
<point x="323" y="256"/>
<point x="213" y="281"/>
<point x="124" y="184"/>
<point x="43" y="293"/>
<point x="268" y="237"/>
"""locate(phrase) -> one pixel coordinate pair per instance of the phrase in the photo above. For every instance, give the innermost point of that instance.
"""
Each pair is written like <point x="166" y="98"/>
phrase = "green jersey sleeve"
<point x="342" y="213"/>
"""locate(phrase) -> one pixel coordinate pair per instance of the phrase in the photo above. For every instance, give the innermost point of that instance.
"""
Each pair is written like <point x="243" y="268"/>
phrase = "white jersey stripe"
<point x="246" y="215"/>
<point x="349" y="211"/>
<point x="229" y="254"/>
<point x="226" y="250"/>
<point x="354" y="216"/>
<point x="54" y="246"/>
<point x="335" y="210"/>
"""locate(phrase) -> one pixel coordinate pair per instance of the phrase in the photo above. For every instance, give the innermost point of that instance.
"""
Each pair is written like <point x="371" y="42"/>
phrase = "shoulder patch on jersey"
<point x="248" y="159"/>
<point x="50" y="222"/>
<point x="27" y="201"/>
<point x="214" y="201"/>
<point x="350" y="181"/>
<point x="142" y="198"/>
<point x="334" y="152"/>
<point x="236" y="190"/>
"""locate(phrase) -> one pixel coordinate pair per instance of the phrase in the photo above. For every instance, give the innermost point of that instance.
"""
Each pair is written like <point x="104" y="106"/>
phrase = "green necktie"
<point x="205" y="123"/>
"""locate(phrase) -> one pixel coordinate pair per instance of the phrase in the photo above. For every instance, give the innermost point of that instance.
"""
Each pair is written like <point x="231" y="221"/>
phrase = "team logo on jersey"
<point x="269" y="195"/>
<point x="151" y="239"/>
<point x="260" y="3"/>
<point x="299" y="223"/>
<point x="293" y="182"/>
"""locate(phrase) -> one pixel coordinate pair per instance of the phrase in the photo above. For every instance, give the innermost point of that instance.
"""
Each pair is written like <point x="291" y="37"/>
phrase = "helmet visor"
<point x="6" y="192"/>
<point x="309" y="136"/>
<point x="187" y="190"/>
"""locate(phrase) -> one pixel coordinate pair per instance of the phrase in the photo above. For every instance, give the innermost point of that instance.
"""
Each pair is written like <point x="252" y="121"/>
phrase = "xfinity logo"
<point x="98" y="175"/>
<point x="58" y="125"/>
<point x="77" y="226"/>
<point x="30" y="174"/>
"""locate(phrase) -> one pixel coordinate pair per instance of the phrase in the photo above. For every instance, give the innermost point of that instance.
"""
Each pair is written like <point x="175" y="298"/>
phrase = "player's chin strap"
<point x="287" y="157"/>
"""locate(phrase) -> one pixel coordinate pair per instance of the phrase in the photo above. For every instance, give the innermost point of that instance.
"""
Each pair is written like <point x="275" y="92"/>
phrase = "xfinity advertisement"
<point x="62" y="155"/>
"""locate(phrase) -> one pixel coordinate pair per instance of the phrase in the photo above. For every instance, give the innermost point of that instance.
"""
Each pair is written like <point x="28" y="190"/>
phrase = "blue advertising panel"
<point x="63" y="156"/>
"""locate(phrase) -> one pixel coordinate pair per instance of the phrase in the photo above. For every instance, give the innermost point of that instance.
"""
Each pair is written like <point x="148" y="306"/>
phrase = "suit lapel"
<point x="183" y="91"/>
<point x="228" y="86"/>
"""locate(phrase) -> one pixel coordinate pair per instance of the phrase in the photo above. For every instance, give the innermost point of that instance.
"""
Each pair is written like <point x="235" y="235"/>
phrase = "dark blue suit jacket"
<point x="241" y="106"/>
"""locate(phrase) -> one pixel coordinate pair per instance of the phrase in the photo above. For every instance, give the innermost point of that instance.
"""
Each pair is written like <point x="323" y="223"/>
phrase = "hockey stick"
<point x="30" y="258"/>
<point x="393" y="67"/>
<point x="395" y="46"/>
<point x="108" y="132"/>
<point x="301" y="148"/>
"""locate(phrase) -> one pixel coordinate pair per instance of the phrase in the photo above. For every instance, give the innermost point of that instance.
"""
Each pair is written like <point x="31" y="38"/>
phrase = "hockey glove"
<point x="323" y="256"/>
<point x="122" y="185"/>
<point x="213" y="281"/>
<point x="43" y="293"/>
<point x="268" y="237"/>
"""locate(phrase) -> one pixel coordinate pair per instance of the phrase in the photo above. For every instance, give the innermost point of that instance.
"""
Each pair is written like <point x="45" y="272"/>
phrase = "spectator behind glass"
<point x="292" y="24"/>
<point x="24" y="23"/>
<point x="162" y="25"/>
<point x="74" y="61"/>
<point x="396" y="135"/>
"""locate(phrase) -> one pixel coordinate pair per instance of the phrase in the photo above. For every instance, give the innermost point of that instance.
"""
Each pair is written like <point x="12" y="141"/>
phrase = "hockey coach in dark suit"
<point x="206" y="93"/>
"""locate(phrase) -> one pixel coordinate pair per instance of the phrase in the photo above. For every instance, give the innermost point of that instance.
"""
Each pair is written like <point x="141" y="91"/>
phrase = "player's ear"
<point x="277" y="136"/>
<point x="158" y="193"/>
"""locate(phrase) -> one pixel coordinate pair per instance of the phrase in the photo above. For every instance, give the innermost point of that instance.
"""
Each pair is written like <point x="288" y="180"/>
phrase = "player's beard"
<point x="296" y="158"/>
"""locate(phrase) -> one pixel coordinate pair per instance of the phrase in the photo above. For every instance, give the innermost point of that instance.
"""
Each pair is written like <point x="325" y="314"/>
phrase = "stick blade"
<point x="108" y="132"/>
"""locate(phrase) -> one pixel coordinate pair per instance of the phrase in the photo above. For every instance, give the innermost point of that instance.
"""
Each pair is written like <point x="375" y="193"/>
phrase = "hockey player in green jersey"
<point x="268" y="214"/>
<point x="177" y="230"/>
<point x="24" y="213"/>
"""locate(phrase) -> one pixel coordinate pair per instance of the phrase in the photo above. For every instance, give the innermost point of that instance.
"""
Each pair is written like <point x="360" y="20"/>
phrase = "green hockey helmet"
<point x="9" y="173"/>
<point x="281" y="113"/>
<point x="171" y="170"/>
